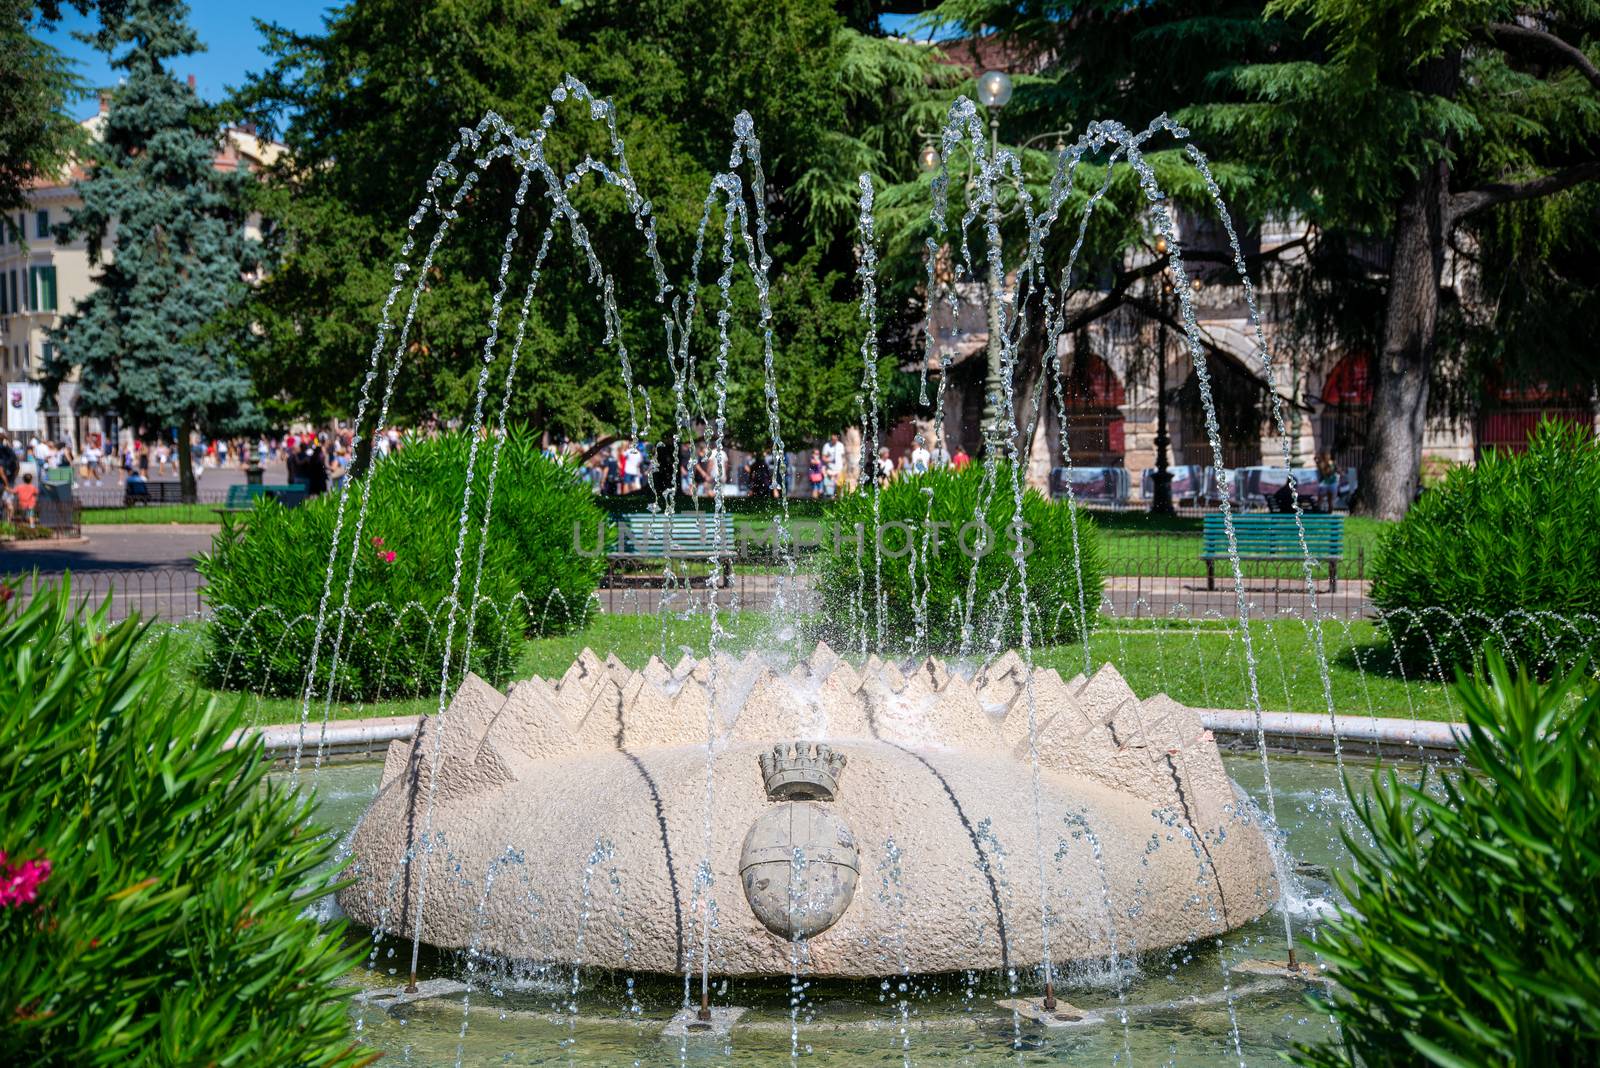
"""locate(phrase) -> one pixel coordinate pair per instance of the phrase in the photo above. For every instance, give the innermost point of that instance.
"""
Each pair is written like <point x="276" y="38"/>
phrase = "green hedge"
<point x="172" y="927"/>
<point x="266" y="572"/>
<point x="933" y="582"/>
<point x="1505" y="554"/>
<point x="1473" y="923"/>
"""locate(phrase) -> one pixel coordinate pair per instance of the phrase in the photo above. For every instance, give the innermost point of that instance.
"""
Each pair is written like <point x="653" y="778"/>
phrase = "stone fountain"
<point x="851" y="819"/>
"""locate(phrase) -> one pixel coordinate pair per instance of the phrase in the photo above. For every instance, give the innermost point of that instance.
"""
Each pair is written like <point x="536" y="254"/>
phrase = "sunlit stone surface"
<point x="600" y="780"/>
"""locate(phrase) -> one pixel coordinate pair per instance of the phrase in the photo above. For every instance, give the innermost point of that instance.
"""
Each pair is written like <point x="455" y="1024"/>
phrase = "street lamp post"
<point x="994" y="92"/>
<point x="1161" y="501"/>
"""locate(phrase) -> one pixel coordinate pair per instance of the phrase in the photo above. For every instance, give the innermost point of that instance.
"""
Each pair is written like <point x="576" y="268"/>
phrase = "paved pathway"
<point x="113" y="548"/>
<point x="1145" y="597"/>
<point x="212" y="482"/>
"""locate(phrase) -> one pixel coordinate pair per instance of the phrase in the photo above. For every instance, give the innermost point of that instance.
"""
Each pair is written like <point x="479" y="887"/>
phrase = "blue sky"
<point x="227" y="29"/>
<point x="233" y="45"/>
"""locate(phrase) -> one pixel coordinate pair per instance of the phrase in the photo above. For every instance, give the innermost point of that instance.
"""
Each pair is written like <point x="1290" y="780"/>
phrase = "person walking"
<point x="885" y="468"/>
<point x="611" y="479"/>
<point x="702" y="472"/>
<point x="921" y="459"/>
<point x="312" y="466"/>
<point x="960" y="460"/>
<point x="92" y="461"/>
<point x="10" y="464"/>
<point x="27" y="495"/>
<point x="1327" y="481"/>
<point x="832" y="466"/>
<point x="759" y="476"/>
<point x="816" y="473"/>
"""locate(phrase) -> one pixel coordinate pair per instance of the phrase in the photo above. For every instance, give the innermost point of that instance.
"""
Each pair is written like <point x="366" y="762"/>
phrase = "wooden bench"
<point x="151" y="493"/>
<point x="243" y="498"/>
<point x="1272" y="536"/>
<point x="687" y="536"/>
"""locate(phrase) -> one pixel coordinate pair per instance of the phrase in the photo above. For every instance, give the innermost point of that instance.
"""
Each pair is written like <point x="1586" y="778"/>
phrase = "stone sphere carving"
<point x="799" y="868"/>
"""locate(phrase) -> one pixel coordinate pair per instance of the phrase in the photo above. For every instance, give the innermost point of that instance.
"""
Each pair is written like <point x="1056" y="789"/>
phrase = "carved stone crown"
<point x="802" y="772"/>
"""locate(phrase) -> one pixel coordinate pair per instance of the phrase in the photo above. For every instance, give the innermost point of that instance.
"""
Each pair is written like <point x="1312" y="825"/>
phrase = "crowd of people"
<point x="320" y="460"/>
<point x="625" y="466"/>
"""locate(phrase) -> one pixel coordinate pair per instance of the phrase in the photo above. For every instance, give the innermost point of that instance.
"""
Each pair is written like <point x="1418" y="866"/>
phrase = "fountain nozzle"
<point x="1049" y="996"/>
<point x="411" y="984"/>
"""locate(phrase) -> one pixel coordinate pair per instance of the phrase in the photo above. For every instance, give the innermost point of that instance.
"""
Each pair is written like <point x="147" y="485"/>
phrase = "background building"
<point x="42" y="280"/>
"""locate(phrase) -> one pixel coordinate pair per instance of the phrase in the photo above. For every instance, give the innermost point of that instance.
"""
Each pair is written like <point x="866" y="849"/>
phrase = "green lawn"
<point x="151" y="515"/>
<point x="1201" y="665"/>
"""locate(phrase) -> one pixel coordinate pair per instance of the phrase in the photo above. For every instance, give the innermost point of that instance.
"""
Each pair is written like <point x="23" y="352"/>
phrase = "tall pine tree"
<point x="146" y="343"/>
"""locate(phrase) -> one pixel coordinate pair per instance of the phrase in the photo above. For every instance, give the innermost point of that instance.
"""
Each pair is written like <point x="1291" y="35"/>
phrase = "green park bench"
<point x="687" y="536"/>
<point x="242" y="498"/>
<point x="136" y="492"/>
<point x="1272" y="536"/>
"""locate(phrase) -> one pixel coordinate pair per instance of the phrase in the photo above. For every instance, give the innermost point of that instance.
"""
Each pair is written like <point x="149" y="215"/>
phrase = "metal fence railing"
<point x="1156" y="582"/>
<point x="114" y="495"/>
<point x="168" y="593"/>
<point x="1165" y="576"/>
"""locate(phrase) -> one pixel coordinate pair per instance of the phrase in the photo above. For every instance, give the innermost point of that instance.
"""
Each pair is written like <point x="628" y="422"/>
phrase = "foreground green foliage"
<point x="172" y="928"/>
<point x="1506" y="553"/>
<point x="960" y="587"/>
<point x="266" y="574"/>
<point x="1473" y="925"/>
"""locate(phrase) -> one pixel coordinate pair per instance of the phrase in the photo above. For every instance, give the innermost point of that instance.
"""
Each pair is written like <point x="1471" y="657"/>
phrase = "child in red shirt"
<point x="27" y="497"/>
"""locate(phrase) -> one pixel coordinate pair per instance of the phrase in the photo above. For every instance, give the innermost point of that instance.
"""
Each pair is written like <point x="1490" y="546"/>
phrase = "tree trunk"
<point x="1027" y="376"/>
<point x="186" y="485"/>
<point x="361" y="458"/>
<point x="1393" y="459"/>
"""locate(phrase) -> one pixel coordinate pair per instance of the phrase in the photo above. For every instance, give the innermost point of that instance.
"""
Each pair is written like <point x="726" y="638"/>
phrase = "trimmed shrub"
<point x="155" y="910"/>
<point x="265" y="575"/>
<point x="1505" y="553"/>
<point x="946" y="550"/>
<point x="1473" y="922"/>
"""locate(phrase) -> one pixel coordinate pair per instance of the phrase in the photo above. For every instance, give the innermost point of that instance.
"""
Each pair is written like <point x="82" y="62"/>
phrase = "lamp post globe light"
<point x="928" y="158"/>
<point x="994" y="93"/>
<point x="994" y="89"/>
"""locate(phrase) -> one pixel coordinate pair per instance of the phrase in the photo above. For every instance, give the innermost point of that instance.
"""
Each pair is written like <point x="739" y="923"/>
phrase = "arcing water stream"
<point x="737" y="197"/>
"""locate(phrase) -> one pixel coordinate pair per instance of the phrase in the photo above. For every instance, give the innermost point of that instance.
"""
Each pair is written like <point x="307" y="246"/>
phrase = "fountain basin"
<point x="591" y="794"/>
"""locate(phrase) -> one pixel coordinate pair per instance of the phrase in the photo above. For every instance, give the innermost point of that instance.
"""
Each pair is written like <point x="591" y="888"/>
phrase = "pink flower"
<point x="377" y="543"/>
<point x="387" y="557"/>
<point x="19" y="885"/>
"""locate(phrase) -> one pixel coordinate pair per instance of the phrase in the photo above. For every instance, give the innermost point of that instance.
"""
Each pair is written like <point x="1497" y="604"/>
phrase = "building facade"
<point x="1127" y="375"/>
<point x="42" y="280"/>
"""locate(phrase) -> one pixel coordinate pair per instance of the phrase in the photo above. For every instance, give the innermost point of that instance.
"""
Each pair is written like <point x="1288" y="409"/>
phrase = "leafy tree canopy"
<point x="370" y="104"/>
<point x="36" y="134"/>
<point x="1399" y="132"/>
